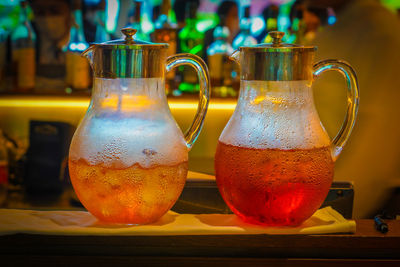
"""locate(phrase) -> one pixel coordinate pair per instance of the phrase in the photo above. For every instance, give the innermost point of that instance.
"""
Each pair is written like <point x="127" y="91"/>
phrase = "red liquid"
<point x="272" y="186"/>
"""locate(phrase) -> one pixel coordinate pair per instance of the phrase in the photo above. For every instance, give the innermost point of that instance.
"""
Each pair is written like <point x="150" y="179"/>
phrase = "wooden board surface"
<point x="365" y="247"/>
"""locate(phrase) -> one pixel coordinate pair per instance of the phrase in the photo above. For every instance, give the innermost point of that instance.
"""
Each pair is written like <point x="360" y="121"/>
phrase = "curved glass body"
<point x="128" y="158"/>
<point x="273" y="161"/>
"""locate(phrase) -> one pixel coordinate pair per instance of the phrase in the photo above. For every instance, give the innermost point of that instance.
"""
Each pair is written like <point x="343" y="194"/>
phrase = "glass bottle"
<point x="3" y="169"/>
<point x="297" y="28"/>
<point x="101" y="33"/>
<point x="271" y="23"/>
<point x="191" y="41"/>
<point x="77" y="67"/>
<point x="244" y="37"/>
<point x="135" y="22"/>
<point x="3" y="53"/>
<point x="23" y="41"/>
<point x="220" y="66"/>
<point x="164" y="20"/>
<point x="166" y="32"/>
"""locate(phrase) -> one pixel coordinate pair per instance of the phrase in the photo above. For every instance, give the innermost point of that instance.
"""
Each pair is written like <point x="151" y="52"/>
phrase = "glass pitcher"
<point x="128" y="159"/>
<point x="274" y="160"/>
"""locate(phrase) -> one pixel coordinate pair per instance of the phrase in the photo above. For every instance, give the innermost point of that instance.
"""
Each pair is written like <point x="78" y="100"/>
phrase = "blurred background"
<point x="45" y="86"/>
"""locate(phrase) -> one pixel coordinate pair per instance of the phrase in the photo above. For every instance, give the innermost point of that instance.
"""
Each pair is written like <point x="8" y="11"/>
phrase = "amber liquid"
<point x="271" y="186"/>
<point x="133" y="195"/>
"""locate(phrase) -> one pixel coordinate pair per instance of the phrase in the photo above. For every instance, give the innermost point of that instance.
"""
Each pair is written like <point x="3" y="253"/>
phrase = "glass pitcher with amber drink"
<point x="274" y="160"/>
<point x="128" y="158"/>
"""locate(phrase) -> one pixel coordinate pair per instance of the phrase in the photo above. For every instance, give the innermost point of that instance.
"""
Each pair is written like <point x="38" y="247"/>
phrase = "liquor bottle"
<point x="101" y="33"/>
<point x="271" y="23"/>
<point x="296" y="31"/>
<point x="190" y="38"/>
<point x="166" y="32"/>
<point x="3" y="53"/>
<point x="135" y="22"/>
<point x="244" y="37"/>
<point x="297" y="28"/>
<point x="3" y="168"/>
<point x="221" y="68"/>
<point x="164" y="20"/>
<point x="23" y="40"/>
<point x="191" y="41"/>
<point x="77" y="67"/>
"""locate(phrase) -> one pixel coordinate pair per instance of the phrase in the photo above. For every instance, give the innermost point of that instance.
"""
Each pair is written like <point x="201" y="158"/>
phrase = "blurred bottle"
<point x="23" y="40"/>
<point x="244" y="37"/>
<point x="101" y="32"/>
<point x="77" y="67"/>
<point x="164" y="20"/>
<point x="166" y="32"/>
<point x="270" y="15"/>
<point x="190" y="38"/>
<point x="3" y="53"/>
<point x="272" y="24"/>
<point x="135" y="22"/>
<point x="221" y="68"/>
<point x="191" y="41"/>
<point x="3" y="169"/>
<point x="297" y="27"/>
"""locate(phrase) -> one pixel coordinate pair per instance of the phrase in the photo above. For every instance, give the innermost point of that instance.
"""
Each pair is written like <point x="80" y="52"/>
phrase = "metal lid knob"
<point x="129" y="33"/>
<point x="276" y="37"/>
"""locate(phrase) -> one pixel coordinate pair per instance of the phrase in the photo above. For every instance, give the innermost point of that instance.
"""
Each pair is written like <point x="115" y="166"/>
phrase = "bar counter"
<point x="367" y="247"/>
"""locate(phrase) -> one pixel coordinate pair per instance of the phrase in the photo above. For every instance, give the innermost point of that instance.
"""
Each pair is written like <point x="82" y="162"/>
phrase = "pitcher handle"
<point x="352" y="100"/>
<point x="202" y="72"/>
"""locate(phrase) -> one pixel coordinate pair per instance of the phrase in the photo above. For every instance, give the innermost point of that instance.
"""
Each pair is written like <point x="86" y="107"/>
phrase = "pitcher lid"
<point x="129" y="42"/>
<point x="275" y="61"/>
<point x="278" y="46"/>
<point x="127" y="58"/>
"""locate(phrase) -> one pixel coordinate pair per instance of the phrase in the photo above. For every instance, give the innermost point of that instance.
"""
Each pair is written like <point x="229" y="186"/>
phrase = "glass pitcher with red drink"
<point x="128" y="158"/>
<point x="274" y="160"/>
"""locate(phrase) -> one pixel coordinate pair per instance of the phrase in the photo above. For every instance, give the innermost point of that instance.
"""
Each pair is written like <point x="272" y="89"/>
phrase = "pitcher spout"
<point x="235" y="56"/>
<point x="88" y="53"/>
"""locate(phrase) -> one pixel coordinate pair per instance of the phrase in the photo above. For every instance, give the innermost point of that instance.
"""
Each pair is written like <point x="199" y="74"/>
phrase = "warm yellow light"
<point x="44" y="102"/>
<point x="126" y="103"/>
<point x="58" y="102"/>
<point x="275" y="100"/>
